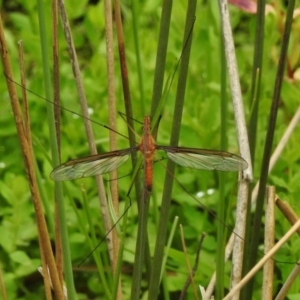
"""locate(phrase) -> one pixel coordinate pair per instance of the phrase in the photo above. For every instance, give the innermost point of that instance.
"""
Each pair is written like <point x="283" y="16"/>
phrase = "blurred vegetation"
<point x="19" y="250"/>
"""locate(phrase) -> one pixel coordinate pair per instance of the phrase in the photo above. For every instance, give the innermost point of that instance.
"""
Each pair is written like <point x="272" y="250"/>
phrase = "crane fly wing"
<point x="91" y="165"/>
<point x="205" y="159"/>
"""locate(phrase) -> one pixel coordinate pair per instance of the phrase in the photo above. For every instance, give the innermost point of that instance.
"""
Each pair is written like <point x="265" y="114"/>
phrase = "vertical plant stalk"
<point x="256" y="76"/>
<point x="128" y="109"/>
<point x="112" y="121"/>
<point x="220" y="263"/>
<point x="235" y="88"/>
<point x="58" y="243"/>
<point x="254" y="100"/>
<point x="135" y="18"/>
<point x="268" y="274"/>
<point x="140" y="244"/>
<point x="156" y="97"/>
<point x="191" y="272"/>
<point x="247" y="176"/>
<point x="68" y="272"/>
<point x="142" y="240"/>
<point x="290" y="280"/>
<point x="29" y="166"/>
<point x="27" y="130"/>
<point x="161" y="55"/>
<point x="56" y="87"/>
<point x="168" y="185"/>
<point x="88" y="127"/>
<point x="124" y="71"/>
<point x="268" y="143"/>
<point x="288" y="212"/>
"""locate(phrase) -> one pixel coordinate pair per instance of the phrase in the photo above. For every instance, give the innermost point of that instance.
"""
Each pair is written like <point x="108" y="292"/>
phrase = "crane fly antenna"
<point x="122" y="115"/>
<point x="64" y="108"/>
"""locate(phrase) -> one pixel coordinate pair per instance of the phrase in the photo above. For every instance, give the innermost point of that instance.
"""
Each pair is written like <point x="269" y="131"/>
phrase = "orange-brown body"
<point x="147" y="146"/>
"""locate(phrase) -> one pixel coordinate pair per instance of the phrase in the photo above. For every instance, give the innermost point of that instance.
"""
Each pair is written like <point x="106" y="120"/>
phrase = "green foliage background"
<point x="19" y="253"/>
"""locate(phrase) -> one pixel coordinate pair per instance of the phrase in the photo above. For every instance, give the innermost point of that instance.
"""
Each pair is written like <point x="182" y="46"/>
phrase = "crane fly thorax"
<point x="147" y="145"/>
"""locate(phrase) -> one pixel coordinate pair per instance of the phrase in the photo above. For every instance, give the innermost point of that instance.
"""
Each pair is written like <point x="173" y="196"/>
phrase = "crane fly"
<point x="187" y="157"/>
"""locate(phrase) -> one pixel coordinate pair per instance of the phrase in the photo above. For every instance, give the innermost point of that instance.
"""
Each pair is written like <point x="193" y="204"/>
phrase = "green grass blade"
<point x="166" y="200"/>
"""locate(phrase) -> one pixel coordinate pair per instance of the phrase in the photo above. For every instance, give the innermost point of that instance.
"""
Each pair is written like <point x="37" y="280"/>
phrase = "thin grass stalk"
<point x="129" y="115"/>
<point x="163" y="275"/>
<point x="56" y="100"/>
<point x="140" y="244"/>
<point x="29" y="137"/>
<point x="87" y="123"/>
<point x="259" y="265"/>
<point x="166" y="293"/>
<point x="29" y="166"/>
<point x="220" y="265"/>
<point x="239" y="233"/>
<point x="26" y="122"/>
<point x="268" y="273"/>
<point x="288" y="212"/>
<point x="246" y="175"/>
<point x="161" y="55"/>
<point x="168" y="246"/>
<point x="191" y="272"/>
<point x="235" y="88"/>
<point x="125" y="79"/>
<point x="45" y="199"/>
<point x="247" y="233"/>
<point x="46" y="277"/>
<point x="254" y="104"/>
<point x="120" y="257"/>
<point x="129" y="120"/>
<point x="54" y="151"/>
<point x="135" y="19"/>
<point x="158" y="83"/>
<point x="269" y="142"/>
<point x="110" y="65"/>
<point x="127" y="96"/>
<point x="256" y="76"/>
<point x="168" y="185"/>
<point x="56" y="86"/>
<point x="24" y="94"/>
<point x="288" y="283"/>
<point x="142" y="248"/>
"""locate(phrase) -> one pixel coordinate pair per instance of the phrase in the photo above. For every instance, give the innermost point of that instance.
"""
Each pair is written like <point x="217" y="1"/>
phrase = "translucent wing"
<point x="205" y="159"/>
<point x="91" y="165"/>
